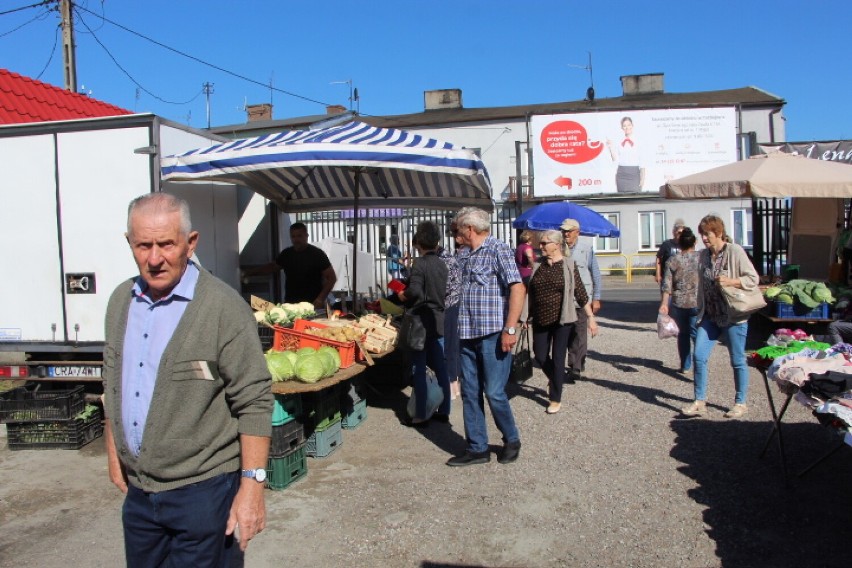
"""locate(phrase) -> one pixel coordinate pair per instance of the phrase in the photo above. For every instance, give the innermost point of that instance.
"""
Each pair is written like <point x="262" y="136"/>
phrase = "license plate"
<point x="79" y="371"/>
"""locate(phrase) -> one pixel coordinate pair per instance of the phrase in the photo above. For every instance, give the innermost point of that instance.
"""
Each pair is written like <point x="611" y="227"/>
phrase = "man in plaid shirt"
<point x="492" y="297"/>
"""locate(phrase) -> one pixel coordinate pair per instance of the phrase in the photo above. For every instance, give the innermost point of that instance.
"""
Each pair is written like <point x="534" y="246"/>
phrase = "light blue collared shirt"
<point x="150" y="326"/>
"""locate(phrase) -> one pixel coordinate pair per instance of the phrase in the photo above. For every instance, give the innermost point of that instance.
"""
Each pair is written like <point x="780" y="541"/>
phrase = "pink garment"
<point x="793" y="370"/>
<point x="524" y="265"/>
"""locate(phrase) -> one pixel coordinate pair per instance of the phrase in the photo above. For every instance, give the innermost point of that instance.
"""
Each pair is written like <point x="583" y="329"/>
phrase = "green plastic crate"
<point x="323" y="442"/>
<point x="323" y="409"/>
<point x="284" y="471"/>
<point x="287" y="407"/>
<point x="355" y="416"/>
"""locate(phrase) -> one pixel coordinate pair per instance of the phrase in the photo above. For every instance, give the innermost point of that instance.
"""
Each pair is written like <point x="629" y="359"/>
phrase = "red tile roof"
<point x="26" y="100"/>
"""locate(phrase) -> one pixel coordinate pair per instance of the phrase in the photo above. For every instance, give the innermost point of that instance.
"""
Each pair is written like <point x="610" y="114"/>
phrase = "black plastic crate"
<point x="25" y="404"/>
<point x="323" y="409"/>
<point x="70" y="434"/>
<point x="286" y="438"/>
<point x="351" y="393"/>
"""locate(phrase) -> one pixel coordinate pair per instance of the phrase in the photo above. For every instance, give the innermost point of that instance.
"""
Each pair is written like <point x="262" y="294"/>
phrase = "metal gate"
<point x="376" y="226"/>
<point x="771" y="222"/>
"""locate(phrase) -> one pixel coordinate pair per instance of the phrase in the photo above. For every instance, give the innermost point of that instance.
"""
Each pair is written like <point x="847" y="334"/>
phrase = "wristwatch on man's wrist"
<point x="258" y="475"/>
<point x="509" y="330"/>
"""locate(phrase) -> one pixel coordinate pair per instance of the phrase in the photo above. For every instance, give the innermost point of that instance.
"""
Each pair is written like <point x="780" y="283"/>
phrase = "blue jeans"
<point x="180" y="527"/>
<point x="707" y="334"/>
<point x="432" y="355"/>
<point x="484" y="374"/>
<point x="686" y="319"/>
<point x="451" y="341"/>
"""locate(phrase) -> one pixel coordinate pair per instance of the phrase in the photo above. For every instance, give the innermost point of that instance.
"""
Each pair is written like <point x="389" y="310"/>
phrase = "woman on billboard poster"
<point x="630" y="175"/>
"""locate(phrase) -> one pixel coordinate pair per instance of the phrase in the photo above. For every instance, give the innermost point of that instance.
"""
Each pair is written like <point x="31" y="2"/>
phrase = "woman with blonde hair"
<point x="554" y="286"/>
<point x="721" y="264"/>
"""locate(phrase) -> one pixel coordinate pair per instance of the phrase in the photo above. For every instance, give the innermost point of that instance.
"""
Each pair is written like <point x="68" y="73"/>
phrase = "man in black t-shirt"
<point x="308" y="274"/>
<point x="667" y="250"/>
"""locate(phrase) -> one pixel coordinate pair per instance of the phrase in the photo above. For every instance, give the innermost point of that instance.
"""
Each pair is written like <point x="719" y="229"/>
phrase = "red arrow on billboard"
<point x="563" y="181"/>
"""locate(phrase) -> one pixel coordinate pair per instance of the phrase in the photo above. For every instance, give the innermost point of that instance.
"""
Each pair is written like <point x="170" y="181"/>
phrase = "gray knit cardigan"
<point x="212" y="385"/>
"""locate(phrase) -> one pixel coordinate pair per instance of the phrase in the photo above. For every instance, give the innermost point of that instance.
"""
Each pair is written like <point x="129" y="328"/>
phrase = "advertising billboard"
<point x="628" y="151"/>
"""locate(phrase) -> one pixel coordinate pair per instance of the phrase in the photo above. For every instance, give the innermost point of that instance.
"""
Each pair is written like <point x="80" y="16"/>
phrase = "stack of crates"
<point x="287" y="462"/>
<point x="49" y="419"/>
<point x="353" y="405"/>
<point x="323" y="411"/>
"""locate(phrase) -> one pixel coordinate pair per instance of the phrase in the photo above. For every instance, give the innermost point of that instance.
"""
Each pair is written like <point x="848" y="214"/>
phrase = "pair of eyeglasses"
<point x="542" y="243"/>
<point x="568" y="231"/>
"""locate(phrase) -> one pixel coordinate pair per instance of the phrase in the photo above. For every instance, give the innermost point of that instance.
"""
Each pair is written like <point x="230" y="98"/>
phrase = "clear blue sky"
<point x="499" y="52"/>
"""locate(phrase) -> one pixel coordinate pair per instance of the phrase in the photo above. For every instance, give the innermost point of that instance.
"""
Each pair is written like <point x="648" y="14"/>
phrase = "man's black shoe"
<point x="441" y="417"/>
<point x="469" y="458"/>
<point x="510" y="453"/>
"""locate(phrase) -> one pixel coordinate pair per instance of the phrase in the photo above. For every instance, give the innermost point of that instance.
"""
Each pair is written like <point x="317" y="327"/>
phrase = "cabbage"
<point x="279" y="366"/>
<point x="292" y="356"/>
<point x="306" y="351"/>
<point x="328" y="362"/>
<point x="334" y="353"/>
<point x="309" y="368"/>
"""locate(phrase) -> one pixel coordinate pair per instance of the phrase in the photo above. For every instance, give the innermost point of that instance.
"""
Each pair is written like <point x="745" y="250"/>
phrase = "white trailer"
<point x="65" y="190"/>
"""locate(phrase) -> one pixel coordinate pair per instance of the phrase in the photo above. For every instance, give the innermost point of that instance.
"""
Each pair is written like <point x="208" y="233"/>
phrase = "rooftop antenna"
<point x="208" y="90"/>
<point x="271" y="86"/>
<point x="590" y="92"/>
<point x="353" y="93"/>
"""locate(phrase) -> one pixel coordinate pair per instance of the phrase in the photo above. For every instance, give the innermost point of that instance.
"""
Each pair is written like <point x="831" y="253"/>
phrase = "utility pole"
<point x="208" y="90"/>
<point x="69" y="57"/>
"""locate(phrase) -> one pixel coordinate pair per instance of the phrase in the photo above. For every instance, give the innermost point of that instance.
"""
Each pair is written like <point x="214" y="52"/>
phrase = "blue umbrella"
<point x="550" y="216"/>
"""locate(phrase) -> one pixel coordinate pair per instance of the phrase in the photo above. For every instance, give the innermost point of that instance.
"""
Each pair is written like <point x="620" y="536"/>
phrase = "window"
<point x="652" y="230"/>
<point x="609" y="244"/>
<point x="741" y="227"/>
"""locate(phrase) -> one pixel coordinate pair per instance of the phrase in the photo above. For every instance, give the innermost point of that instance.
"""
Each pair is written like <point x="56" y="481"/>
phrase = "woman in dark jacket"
<point x="424" y="296"/>
<point x="554" y="285"/>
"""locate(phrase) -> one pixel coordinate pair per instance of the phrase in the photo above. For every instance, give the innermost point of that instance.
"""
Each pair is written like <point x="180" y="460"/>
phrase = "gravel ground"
<point x="615" y="479"/>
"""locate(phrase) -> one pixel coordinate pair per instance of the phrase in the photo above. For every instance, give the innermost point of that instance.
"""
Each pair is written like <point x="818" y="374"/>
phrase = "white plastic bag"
<point x="666" y="326"/>
<point x="434" y="396"/>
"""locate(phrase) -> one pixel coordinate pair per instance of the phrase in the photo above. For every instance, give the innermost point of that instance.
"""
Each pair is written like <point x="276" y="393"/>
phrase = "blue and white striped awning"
<point x="317" y="170"/>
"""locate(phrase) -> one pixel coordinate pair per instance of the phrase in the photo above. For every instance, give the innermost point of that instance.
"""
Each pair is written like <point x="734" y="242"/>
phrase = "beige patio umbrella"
<point x="770" y="175"/>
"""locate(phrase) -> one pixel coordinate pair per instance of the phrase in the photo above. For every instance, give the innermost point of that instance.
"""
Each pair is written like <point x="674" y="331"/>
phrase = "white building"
<point x="683" y="133"/>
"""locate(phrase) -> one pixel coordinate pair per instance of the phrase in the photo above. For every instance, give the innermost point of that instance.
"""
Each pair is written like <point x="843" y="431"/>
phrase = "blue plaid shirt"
<point x="486" y="275"/>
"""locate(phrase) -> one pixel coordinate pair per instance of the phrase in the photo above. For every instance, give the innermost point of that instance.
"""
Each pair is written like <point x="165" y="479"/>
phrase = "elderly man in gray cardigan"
<point x="188" y="400"/>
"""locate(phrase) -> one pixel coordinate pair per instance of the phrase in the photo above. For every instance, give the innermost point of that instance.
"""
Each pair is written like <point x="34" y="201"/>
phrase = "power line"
<point x="52" y="53"/>
<point x="129" y="76"/>
<point x="36" y="5"/>
<point x="198" y="60"/>
<point x="28" y="22"/>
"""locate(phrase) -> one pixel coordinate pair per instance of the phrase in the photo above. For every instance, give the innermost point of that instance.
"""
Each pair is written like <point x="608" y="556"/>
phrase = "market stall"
<point x="315" y="364"/>
<point x="814" y="374"/>
<point x="817" y="188"/>
<point x="350" y="166"/>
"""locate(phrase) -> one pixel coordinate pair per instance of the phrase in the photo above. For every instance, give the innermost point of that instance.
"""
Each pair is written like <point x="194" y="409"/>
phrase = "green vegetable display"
<point x="283" y="314"/>
<point x="335" y="354"/>
<point x="309" y="368"/>
<point x="279" y="366"/>
<point x="806" y="292"/>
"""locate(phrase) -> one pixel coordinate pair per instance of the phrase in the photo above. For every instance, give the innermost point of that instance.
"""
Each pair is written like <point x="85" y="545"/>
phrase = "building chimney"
<point x="331" y="110"/>
<point x="444" y="98"/>
<point x="647" y="84"/>
<point x="259" y="112"/>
